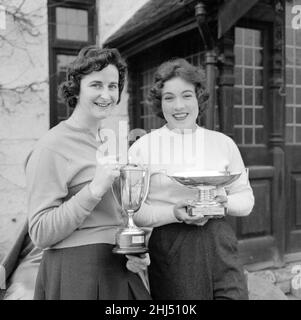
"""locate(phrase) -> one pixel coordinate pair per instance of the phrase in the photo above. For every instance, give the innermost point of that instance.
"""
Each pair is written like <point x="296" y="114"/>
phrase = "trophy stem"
<point x="131" y="223"/>
<point x="206" y="194"/>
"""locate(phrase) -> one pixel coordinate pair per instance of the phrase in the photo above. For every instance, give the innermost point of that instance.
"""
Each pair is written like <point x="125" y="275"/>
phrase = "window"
<point x="293" y="81"/>
<point x="72" y="25"/>
<point x="249" y="86"/>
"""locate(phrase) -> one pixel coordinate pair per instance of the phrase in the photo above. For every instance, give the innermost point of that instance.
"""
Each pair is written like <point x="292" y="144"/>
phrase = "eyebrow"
<point x="190" y="91"/>
<point x="97" y="81"/>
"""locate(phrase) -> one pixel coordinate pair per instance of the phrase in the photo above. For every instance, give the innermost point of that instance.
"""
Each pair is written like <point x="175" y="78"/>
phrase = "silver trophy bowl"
<point x="206" y="182"/>
<point x="130" y="190"/>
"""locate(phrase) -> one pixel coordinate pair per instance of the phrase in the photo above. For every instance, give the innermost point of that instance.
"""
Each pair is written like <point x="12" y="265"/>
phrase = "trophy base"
<point x="216" y="210"/>
<point x="130" y="241"/>
<point x="130" y="250"/>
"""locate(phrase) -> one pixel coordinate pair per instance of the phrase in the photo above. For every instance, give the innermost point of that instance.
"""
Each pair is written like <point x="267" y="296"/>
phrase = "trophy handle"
<point x="148" y="178"/>
<point x="116" y="190"/>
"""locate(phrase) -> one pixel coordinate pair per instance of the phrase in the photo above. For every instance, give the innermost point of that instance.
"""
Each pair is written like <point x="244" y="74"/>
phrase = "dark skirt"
<point x="197" y="263"/>
<point x="90" y="272"/>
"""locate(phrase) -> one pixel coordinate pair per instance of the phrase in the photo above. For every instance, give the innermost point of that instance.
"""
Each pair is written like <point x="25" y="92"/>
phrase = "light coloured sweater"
<point x="62" y="212"/>
<point x="165" y="152"/>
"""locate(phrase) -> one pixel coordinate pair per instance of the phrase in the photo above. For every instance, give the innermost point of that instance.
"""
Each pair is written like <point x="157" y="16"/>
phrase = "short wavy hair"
<point x="89" y="59"/>
<point x="177" y="67"/>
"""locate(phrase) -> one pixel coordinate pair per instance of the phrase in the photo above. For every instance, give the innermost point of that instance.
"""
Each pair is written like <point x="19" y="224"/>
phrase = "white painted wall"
<point x="25" y="117"/>
<point x="112" y="15"/>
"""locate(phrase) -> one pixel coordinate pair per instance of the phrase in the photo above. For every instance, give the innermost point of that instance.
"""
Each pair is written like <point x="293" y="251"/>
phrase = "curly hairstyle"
<point x="89" y="59"/>
<point x="177" y="67"/>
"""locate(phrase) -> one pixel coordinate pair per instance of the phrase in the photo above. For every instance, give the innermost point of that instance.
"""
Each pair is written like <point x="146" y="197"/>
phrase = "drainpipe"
<point x="210" y="63"/>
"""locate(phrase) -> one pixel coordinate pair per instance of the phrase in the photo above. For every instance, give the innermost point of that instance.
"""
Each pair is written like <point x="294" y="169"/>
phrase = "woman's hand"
<point x="180" y="212"/>
<point x="223" y="200"/>
<point x="137" y="264"/>
<point x="104" y="177"/>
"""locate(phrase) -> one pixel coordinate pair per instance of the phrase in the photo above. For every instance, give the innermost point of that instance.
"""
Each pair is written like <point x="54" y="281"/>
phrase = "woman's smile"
<point x="180" y="116"/>
<point x="179" y="104"/>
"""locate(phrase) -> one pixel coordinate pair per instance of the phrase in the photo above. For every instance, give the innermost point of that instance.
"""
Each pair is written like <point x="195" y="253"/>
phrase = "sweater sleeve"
<point x="240" y="194"/>
<point x="50" y="218"/>
<point x="149" y="215"/>
<point x="155" y="215"/>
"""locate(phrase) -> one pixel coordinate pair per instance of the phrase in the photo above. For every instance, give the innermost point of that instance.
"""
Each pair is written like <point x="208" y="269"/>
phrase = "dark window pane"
<point x="258" y="78"/>
<point x="289" y="134"/>
<point x="248" y="77"/>
<point x="238" y="135"/>
<point x="248" y="135"/>
<point x="289" y="114"/>
<point x="238" y="75"/>
<point x="248" y="57"/>
<point x="259" y="136"/>
<point x="238" y="35"/>
<point x="298" y="95"/>
<point x="248" y="116"/>
<point x="298" y="57"/>
<point x="289" y="95"/>
<point x="290" y="75"/>
<point x="298" y="134"/>
<point x="257" y="38"/>
<point x="62" y="61"/>
<point x="259" y="116"/>
<point x="289" y="36"/>
<point x="298" y="115"/>
<point x="258" y="58"/>
<point x="237" y="96"/>
<point x="298" y="76"/>
<point x="248" y="97"/>
<point x="248" y="37"/>
<point x="298" y="38"/>
<point x="237" y="116"/>
<point x="258" y="97"/>
<point x="71" y="24"/>
<point x="238" y="55"/>
<point x="290" y="56"/>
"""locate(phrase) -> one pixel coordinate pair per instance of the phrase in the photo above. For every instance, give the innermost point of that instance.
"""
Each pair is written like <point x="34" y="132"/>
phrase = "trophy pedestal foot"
<point x="119" y="250"/>
<point x="130" y="241"/>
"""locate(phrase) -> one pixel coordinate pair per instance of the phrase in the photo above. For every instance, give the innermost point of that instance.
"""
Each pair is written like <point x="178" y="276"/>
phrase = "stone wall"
<point x="24" y="105"/>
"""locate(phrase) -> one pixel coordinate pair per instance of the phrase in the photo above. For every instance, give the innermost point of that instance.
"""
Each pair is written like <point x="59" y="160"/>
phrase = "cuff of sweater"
<point x="86" y="200"/>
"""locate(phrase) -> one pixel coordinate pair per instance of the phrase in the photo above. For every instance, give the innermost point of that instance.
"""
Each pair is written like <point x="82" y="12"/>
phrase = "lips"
<point x="180" y="116"/>
<point x="103" y="105"/>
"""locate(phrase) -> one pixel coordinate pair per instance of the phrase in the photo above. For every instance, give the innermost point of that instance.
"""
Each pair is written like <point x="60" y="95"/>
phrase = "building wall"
<point x="112" y="15"/>
<point x="24" y="116"/>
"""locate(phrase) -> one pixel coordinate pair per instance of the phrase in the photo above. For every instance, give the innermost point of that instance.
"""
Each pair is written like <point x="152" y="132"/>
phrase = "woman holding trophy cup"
<point x="72" y="213"/>
<point x="193" y="256"/>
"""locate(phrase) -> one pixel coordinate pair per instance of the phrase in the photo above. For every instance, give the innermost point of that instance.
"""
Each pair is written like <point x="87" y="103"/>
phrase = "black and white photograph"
<point x="150" y="150"/>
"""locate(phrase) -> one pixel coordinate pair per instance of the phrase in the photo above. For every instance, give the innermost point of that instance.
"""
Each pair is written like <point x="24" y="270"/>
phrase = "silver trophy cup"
<point x="206" y="182"/>
<point x="130" y="190"/>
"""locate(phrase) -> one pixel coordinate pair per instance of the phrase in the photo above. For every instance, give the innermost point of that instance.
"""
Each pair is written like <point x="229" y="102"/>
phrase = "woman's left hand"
<point x="223" y="200"/>
<point x="137" y="264"/>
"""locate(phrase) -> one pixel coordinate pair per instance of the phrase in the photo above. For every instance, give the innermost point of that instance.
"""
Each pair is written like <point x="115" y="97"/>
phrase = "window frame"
<point x="64" y="46"/>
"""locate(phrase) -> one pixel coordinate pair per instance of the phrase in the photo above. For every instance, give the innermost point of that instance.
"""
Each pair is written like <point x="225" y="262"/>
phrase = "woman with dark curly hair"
<point x="192" y="257"/>
<point x="72" y="212"/>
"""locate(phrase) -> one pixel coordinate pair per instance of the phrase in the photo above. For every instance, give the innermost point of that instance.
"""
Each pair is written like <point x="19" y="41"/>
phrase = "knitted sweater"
<point x="165" y="152"/>
<point x="62" y="211"/>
